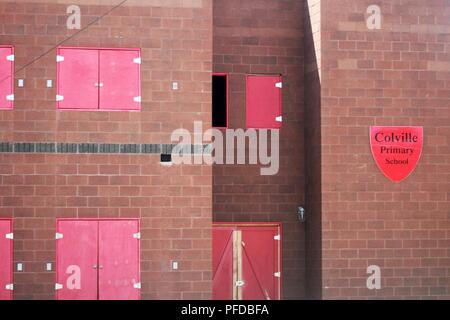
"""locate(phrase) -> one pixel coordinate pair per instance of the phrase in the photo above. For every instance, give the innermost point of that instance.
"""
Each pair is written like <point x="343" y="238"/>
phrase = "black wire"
<point x="68" y="38"/>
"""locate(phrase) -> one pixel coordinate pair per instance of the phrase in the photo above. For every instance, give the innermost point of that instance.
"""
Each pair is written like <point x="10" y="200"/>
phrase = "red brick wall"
<point x="265" y="36"/>
<point x="173" y="203"/>
<point x="313" y="156"/>
<point x="398" y="75"/>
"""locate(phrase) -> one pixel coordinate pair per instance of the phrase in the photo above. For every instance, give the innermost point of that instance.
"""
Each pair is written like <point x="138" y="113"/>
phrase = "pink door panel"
<point x="120" y="80"/>
<point x="263" y="102"/>
<point x="6" y="77"/>
<point x="119" y="260"/>
<point x="260" y="263"/>
<point x="78" y="78"/>
<point x="77" y="260"/>
<point x="5" y="259"/>
<point x="222" y="263"/>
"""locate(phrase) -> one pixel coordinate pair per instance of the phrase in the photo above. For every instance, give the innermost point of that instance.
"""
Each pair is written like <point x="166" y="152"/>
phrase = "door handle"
<point x="94" y="266"/>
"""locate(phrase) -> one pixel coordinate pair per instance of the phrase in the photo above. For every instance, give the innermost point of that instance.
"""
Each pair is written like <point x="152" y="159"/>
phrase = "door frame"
<point x="98" y="220"/>
<point x="278" y="225"/>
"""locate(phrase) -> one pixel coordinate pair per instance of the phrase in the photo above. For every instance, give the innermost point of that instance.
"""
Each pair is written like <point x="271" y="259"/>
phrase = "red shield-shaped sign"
<point x="396" y="150"/>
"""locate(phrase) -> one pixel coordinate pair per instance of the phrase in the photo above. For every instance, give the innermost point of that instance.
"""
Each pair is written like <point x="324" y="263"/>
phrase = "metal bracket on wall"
<point x="301" y="214"/>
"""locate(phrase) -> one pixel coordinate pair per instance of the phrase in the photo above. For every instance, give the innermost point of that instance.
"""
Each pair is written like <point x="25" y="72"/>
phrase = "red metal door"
<point x="120" y="79"/>
<point x="6" y="245"/>
<point x="222" y="263"/>
<point x="6" y="77"/>
<point x="119" y="274"/>
<point x="78" y="78"/>
<point x="76" y="259"/>
<point x="260" y="263"/>
<point x="263" y="100"/>
<point x="247" y="261"/>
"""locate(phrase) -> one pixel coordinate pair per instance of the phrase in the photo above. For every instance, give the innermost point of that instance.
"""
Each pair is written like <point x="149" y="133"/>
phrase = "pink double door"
<point x="247" y="261"/>
<point x="98" y="260"/>
<point x="104" y="79"/>
<point x="6" y="251"/>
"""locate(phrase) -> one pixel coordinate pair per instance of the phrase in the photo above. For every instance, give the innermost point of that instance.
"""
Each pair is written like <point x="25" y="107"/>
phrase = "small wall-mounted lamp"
<point x="301" y="214"/>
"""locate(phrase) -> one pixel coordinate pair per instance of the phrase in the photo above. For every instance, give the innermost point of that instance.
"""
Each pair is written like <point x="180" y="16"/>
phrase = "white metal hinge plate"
<point x="9" y="287"/>
<point x="137" y="99"/>
<point x="59" y="98"/>
<point x="10" y="57"/>
<point x="101" y="85"/>
<point x="10" y="97"/>
<point x="137" y="235"/>
<point x="58" y="286"/>
<point x="9" y="236"/>
<point x="137" y="60"/>
<point x="59" y="58"/>
<point x="137" y="286"/>
<point x="279" y="119"/>
<point x="277" y="237"/>
<point x="279" y="85"/>
<point x="277" y="274"/>
<point x="240" y="283"/>
<point x="59" y="236"/>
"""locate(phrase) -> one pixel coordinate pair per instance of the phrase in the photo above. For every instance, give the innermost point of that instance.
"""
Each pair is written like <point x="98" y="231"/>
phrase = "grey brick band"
<point x="97" y="148"/>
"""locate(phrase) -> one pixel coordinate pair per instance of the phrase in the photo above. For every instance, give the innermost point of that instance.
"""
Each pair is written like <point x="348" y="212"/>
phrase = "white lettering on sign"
<point x="74" y="280"/>
<point x="230" y="146"/>
<point x="374" y="281"/>
<point x="374" y="20"/>
<point x="74" y="20"/>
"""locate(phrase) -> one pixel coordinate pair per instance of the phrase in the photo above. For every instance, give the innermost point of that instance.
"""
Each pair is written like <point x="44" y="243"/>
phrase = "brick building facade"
<point x="394" y="76"/>
<point x="339" y="78"/>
